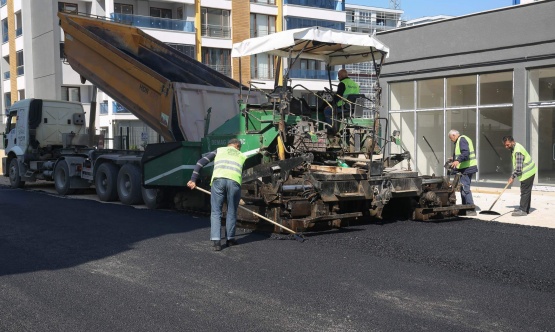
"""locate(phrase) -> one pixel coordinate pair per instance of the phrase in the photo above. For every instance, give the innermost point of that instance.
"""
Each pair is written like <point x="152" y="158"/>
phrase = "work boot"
<point x="231" y="242"/>
<point x="217" y="245"/>
<point x="519" y="213"/>
<point x="471" y="213"/>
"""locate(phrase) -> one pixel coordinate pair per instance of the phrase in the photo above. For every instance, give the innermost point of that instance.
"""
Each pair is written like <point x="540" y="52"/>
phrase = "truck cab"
<point x="36" y="130"/>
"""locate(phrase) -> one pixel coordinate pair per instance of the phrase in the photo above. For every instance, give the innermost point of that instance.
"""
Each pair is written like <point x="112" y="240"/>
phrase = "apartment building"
<point x="33" y="64"/>
<point x="368" y="20"/>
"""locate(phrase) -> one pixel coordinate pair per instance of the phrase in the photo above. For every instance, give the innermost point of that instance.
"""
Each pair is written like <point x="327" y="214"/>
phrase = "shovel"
<point x="295" y="235"/>
<point x="493" y="212"/>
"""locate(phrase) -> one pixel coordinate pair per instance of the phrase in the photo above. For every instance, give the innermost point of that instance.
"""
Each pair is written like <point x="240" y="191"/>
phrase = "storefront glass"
<point x="496" y="88"/>
<point x="541" y="99"/>
<point x="461" y="91"/>
<point x="494" y="161"/>
<point x="429" y="148"/>
<point x="404" y="122"/>
<point x="457" y="106"/>
<point x="429" y="93"/>
<point x="402" y="96"/>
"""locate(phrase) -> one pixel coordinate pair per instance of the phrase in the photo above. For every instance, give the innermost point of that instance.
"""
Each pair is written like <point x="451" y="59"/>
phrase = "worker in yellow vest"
<point x="464" y="161"/>
<point x="345" y="88"/>
<point x="525" y="169"/>
<point x="226" y="186"/>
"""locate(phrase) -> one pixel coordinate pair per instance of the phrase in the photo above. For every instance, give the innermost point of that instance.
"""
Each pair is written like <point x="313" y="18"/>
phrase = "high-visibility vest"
<point x="351" y="88"/>
<point x="471" y="157"/>
<point x="228" y="164"/>
<point x="528" y="166"/>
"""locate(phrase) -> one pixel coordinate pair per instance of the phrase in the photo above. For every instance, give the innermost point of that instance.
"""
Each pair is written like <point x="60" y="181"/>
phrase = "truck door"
<point x="16" y="128"/>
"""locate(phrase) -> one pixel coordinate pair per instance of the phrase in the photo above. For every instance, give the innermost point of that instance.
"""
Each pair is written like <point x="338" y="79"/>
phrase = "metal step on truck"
<point x="301" y="171"/>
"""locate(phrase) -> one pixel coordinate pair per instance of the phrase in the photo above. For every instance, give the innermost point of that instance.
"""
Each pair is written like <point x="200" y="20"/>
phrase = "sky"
<point x="419" y="8"/>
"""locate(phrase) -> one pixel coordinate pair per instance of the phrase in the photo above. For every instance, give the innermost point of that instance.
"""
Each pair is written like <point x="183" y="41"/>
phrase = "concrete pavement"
<point x="542" y="212"/>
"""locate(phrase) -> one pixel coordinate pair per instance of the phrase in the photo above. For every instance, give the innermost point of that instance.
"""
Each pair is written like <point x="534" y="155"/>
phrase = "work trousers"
<point x="526" y="193"/>
<point x="466" y="193"/>
<point x="224" y="190"/>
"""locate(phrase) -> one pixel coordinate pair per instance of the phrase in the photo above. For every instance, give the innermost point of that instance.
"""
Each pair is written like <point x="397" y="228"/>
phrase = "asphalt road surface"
<point x="81" y="265"/>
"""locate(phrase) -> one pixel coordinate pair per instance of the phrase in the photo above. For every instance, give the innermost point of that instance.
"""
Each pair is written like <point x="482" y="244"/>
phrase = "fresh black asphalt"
<point x="81" y="265"/>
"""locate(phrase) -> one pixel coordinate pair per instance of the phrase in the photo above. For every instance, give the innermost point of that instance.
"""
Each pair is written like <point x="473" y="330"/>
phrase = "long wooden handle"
<point x="506" y="186"/>
<point x="256" y="214"/>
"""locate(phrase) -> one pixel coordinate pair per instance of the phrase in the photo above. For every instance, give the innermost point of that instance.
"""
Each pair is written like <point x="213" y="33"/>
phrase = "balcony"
<point x="216" y="31"/>
<point x="6" y="75"/>
<point x="223" y="69"/>
<point x="117" y="108"/>
<point x="311" y="74"/>
<point x="18" y="32"/>
<point x="153" y="22"/>
<point x="20" y="70"/>
<point x="325" y="4"/>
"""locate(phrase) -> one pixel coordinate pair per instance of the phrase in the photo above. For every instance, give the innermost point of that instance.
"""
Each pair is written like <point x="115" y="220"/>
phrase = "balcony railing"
<point x="18" y="31"/>
<point x="153" y="22"/>
<point x="5" y="38"/>
<point x="217" y="31"/>
<point x="266" y="2"/>
<point x="7" y="75"/>
<point x="261" y="32"/>
<point x="326" y="4"/>
<point x="223" y="69"/>
<point x="20" y="70"/>
<point x="312" y="74"/>
<point x="3" y="3"/>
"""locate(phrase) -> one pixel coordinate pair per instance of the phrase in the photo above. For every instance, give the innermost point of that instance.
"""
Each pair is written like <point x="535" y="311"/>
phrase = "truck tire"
<point x="129" y="185"/>
<point x="13" y="172"/>
<point x="61" y="179"/>
<point x="153" y="198"/>
<point x="106" y="182"/>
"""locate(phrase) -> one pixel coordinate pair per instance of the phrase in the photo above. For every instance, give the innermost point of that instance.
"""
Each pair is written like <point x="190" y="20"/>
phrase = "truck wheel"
<point x="15" y="178"/>
<point x="61" y="179"/>
<point x="106" y="182"/>
<point x="153" y="198"/>
<point x="129" y="185"/>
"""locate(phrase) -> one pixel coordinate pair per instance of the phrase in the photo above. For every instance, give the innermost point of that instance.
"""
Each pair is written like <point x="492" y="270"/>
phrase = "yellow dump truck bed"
<point x="146" y="76"/>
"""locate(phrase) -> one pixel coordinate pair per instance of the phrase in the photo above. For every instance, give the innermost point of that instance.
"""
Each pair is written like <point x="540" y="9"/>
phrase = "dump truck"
<point x="301" y="171"/>
<point x="49" y="139"/>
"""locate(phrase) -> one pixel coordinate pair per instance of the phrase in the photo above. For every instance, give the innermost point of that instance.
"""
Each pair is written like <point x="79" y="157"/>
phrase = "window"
<point x="429" y="93"/>
<point x="19" y="63"/>
<point x="215" y="23"/>
<point x="67" y="7"/>
<point x="160" y="12"/>
<point x="120" y="8"/>
<point x="71" y="93"/>
<point x="298" y="22"/>
<point x="496" y="88"/>
<point x="541" y="85"/>
<point x="7" y="100"/>
<point x="262" y="25"/>
<point x="188" y="50"/>
<point x="4" y="30"/>
<point x="461" y="91"/>
<point x="402" y="96"/>
<point x="262" y="66"/>
<point x="218" y="59"/>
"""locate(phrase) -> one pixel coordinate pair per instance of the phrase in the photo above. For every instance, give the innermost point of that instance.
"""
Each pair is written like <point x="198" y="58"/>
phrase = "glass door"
<point x="545" y="144"/>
